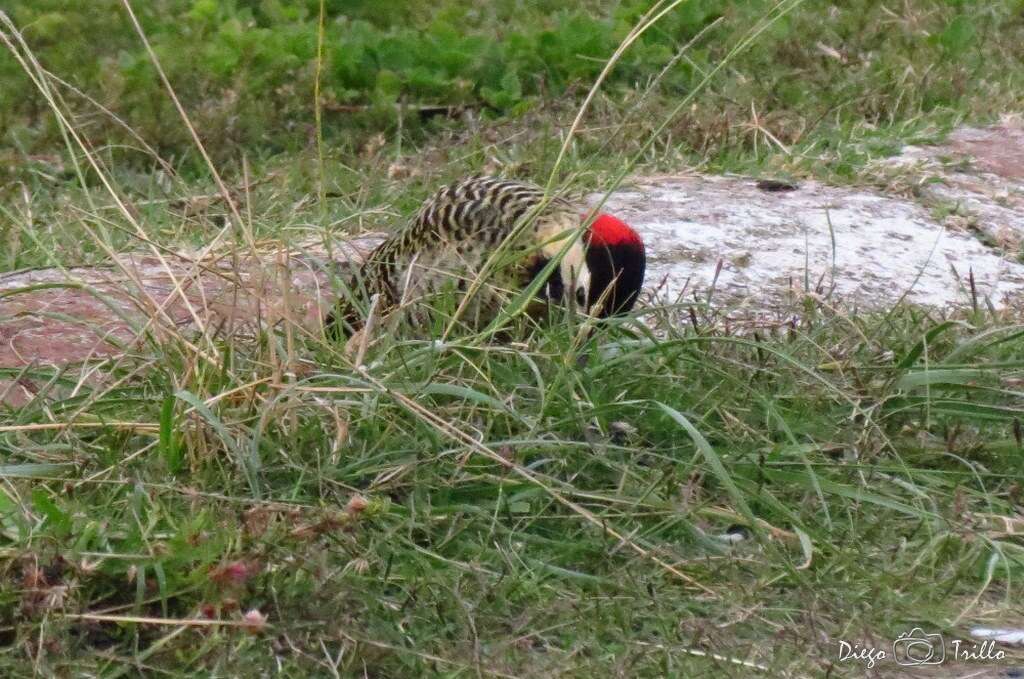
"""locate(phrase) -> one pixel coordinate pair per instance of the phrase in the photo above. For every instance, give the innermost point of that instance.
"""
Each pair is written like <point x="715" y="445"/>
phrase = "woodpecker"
<point x="515" y="230"/>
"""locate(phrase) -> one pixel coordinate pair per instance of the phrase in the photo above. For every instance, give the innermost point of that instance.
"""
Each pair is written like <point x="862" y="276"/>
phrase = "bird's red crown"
<point x="611" y="231"/>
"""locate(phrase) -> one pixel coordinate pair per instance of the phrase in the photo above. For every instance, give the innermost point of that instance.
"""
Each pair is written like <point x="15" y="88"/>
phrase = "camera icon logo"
<point x="918" y="648"/>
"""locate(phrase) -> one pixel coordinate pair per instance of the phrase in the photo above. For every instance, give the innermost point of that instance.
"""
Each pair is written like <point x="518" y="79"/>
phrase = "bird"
<point x="509" y="231"/>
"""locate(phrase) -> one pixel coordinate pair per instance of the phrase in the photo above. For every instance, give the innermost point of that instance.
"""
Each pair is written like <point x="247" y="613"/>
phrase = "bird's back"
<point x="459" y="228"/>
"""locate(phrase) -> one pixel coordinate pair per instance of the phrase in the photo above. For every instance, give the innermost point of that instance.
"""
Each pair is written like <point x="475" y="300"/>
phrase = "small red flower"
<point x="356" y="505"/>
<point x="233" y="574"/>
<point x="254" y="621"/>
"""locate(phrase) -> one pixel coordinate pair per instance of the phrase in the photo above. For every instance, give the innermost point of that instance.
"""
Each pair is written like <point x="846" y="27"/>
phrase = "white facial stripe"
<point x="573" y="268"/>
<point x="575" y="276"/>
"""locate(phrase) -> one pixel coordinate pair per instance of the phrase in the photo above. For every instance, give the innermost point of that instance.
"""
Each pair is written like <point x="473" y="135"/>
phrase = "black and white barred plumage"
<point x="512" y="227"/>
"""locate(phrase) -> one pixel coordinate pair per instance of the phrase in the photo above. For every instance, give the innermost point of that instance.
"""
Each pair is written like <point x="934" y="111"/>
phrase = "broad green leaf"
<point x="958" y="36"/>
<point x="920" y="378"/>
<point x="170" y="448"/>
<point x="55" y="516"/>
<point x="36" y="470"/>
<point x="713" y="460"/>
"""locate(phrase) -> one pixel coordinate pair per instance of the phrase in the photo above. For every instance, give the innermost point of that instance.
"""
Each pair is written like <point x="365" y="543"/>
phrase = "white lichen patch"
<point x="725" y="239"/>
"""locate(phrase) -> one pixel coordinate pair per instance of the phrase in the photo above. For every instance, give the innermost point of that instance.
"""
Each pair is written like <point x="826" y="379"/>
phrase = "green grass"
<point x="526" y="513"/>
<point x="817" y="80"/>
<point x="553" y="506"/>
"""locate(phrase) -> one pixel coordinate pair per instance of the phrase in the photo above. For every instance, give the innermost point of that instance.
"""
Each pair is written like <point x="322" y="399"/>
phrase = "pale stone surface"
<point x="978" y="177"/>
<point x="858" y="247"/>
<point x="53" y="317"/>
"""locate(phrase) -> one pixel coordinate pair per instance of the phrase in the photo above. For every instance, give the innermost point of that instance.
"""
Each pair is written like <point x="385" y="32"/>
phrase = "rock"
<point x="979" y="175"/>
<point x="52" y="317"/>
<point x="758" y="249"/>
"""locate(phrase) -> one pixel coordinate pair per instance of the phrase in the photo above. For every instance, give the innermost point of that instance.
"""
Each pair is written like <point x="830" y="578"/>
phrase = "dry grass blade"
<point x="32" y="68"/>
<point x="221" y="186"/>
<point x="649" y="19"/>
<point x="144" y="620"/>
